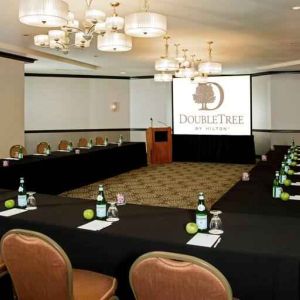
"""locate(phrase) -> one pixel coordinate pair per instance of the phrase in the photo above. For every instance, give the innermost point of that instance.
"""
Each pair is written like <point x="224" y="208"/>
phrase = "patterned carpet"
<point x="172" y="185"/>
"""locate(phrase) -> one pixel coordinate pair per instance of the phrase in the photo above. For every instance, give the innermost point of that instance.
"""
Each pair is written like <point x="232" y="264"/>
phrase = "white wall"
<point x="149" y="99"/>
<point x="75" y="103"/>
<point x="11" y="104"/>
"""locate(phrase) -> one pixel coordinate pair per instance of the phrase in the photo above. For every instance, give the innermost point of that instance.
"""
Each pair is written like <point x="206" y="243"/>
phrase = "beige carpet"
<point x="172" y="185"/>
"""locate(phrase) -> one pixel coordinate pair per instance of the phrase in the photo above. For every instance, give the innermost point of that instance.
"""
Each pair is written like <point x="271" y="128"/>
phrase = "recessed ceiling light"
<point x="123" y="72"/>
<point x="296" y="7"/>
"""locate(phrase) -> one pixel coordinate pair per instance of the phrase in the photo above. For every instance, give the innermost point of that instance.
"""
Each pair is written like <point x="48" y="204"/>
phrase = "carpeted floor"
<point x="172" y="185"/>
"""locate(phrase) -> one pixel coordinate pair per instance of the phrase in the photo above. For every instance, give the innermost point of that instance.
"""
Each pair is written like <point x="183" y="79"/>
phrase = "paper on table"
<point x="298" y="165"/>
<point x="95" y="225"/>
<point x="296" y="183"/>
<point x="83" y="148"/>
<point x="63" y="150"/>
<point x="295" y="197"/>
<point x="203" y="239"/>
<point x="10" y="158"/>
<point x="297" y="173"/>
<point x="12" y="212"/>
<point x="39" y="154"/>
<point x="99" y="145"/>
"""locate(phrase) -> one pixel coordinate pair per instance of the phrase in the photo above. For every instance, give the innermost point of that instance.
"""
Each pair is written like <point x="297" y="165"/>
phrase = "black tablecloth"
<point x="214" y="148"/>
<point x="259" y="255"/>
<point x="62" y="171"/>
<point x="255" y="196"/>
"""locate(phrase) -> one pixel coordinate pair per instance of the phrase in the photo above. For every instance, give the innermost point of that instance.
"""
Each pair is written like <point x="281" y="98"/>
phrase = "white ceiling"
<point x="250" y="36"/>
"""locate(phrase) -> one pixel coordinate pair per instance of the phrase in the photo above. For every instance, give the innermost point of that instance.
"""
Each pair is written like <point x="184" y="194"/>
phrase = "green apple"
<point x="284" y="196"/>
<point x="191" y="228"/>
<point x="287" y="182"/>
<point x="10" y="203"/>
<point x="293" y="164"/>
<point x="88" y="214"/>
<point x="291" y="172"/>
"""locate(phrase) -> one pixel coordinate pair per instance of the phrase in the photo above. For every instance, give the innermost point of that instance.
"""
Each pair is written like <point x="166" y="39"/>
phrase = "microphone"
<point x="151" y="122"/>
<point x="163" y="123"/>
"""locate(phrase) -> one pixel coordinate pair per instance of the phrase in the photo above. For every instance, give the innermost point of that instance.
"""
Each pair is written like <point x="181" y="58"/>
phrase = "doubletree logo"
<point x="209" y="95"/>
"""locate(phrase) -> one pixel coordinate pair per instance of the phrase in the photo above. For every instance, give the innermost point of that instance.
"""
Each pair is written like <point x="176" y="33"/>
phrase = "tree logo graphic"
<point x="210" y="95"/>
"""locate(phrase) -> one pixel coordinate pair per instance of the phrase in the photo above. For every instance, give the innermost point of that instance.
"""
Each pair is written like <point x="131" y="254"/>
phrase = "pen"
<point x="218" y="241"/>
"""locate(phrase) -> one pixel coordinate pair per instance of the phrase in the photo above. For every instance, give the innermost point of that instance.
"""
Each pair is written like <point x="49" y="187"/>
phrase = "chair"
<point x="82" y="142"/>
<point x="3" y="269"/>
<point x="63" y="145"/>
<point x="14" y="150"/>
<point x="165" y="275"/>
<point x="40" y="269"/>
<point x="42" y="147"/>
<point x="99" y="140"/>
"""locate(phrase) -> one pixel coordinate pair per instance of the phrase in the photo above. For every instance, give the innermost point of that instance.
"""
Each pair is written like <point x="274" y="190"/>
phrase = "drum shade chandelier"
<point x="145" y="24"/>
<point x="55" y="13"/>
<point x="209" y="67"/>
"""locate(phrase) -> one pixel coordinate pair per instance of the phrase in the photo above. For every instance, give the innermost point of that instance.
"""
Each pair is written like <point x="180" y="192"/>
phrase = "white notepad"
<point x="297" y="173"/>
<point x="12" y="212"/>
<point x="203" y="239"/>
<point x="295" y="197"/>
<point x="39" y="154"/>
<point x="95" y="225"/>
<point x="296" y="183"/>
<point x="10" y="158"/>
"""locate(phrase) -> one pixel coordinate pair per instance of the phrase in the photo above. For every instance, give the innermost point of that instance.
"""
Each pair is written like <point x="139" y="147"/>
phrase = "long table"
<point x="259" y="255"/>
<point x="62" y="171"/>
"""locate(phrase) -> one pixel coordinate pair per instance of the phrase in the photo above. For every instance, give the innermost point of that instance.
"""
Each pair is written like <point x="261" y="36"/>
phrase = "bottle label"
<point x="101" y="210"/>
<point x="277" y="190"/>
<point x="201" y="207"/>
<point x="282" y="178"/>
<point x="201" y="221"/>
<point x="99" y="197"/>
<point x="22" y="200"/>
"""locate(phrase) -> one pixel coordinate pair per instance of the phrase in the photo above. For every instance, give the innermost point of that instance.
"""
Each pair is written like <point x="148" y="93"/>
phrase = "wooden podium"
<point x="159" y="145"/>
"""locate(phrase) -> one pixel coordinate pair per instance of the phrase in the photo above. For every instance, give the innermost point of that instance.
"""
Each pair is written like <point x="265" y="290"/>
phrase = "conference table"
<point x="259" y="252"/>
<point x="62" y="171"/>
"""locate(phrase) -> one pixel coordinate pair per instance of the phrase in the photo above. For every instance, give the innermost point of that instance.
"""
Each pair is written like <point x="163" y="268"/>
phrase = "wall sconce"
<point x="114" y="106"/>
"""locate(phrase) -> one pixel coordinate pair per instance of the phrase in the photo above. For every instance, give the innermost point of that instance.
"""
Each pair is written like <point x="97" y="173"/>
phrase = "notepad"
<point x="83" y="147"/>
<point x="296" y="183"/>
<point x="203" y="240"/>
<point x="12" y="212"/>
<point x="95" y="225"/>
<point x="297" y="173"/>
<point x="99" y="145"/>
<point x="295" y="197"/>
<point x="39" y="154"/>
<point x="62" y="150"/>
<point x="10" y="158"/>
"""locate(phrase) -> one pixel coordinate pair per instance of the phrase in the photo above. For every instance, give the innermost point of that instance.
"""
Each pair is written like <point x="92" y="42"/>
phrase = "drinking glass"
<point x="112" y="213"/>
<point x="31" y="201"/>
<point x="215" y="225"/>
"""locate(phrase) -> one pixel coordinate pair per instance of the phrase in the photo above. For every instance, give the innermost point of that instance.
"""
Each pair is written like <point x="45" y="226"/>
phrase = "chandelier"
<point x="109" y="31"/>
<point x="209" y="67"/>
<point x="163" y="77"/>
<point x="145" y="24"/>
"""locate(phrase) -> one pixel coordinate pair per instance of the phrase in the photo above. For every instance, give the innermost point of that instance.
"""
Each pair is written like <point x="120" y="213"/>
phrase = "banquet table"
<point x="62" y="171"/>
<point x="259" y="255"/>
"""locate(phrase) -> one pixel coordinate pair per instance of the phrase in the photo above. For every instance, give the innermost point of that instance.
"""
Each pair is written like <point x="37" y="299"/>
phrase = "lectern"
<point x="159" y="145"/>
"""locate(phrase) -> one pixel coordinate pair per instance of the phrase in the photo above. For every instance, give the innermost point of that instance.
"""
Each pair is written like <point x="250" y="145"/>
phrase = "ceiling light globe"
<point x="100" y="27"/>
<point x="43" y="13"/>
<point x="209" y="67"/>
<point x="94" y="16"/>
<point x="56" y="35"/>
<point x="114" y="42"/>
<point x="145" y="24"/>
<point x="163" y="77"/>
<point x="166" y="65"/>
<point x="80" y="41"/>
<point x="115" y="23"/>
<point x="41" y="40"/>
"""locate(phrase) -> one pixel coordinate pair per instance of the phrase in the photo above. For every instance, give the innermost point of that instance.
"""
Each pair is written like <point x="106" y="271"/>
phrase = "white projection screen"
<point x="221" y="106"/>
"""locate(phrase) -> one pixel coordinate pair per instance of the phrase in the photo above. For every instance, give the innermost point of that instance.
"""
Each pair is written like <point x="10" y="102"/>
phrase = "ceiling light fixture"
<point x="209" y="67"/>
<point x="110" y="37"/>
<point x="43" y="13"/>
<point x="145" y="24"/>
<point x="165" y="63"/>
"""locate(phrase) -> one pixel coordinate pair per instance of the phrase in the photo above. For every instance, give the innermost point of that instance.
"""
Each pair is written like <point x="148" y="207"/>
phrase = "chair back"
<point x="165" y="275"/>
<point x="82" y="142"/>
<point x="99" y="140"/>
<point x="38" y="266"/>
<point x="42" y="147"/>
<point x="63" y="145"/>
<point x="14" y="150"/>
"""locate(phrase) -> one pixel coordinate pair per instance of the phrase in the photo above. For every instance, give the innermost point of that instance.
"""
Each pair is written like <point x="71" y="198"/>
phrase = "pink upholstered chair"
<point x="164" y="275"/>
<point x="3" y="269"/>
<point x="99" y="140"/>
<point x="14" y="150"/>
<point x="63" y="145"/>
<point x="40" y="269"/>
<point x="42" y="147"/>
